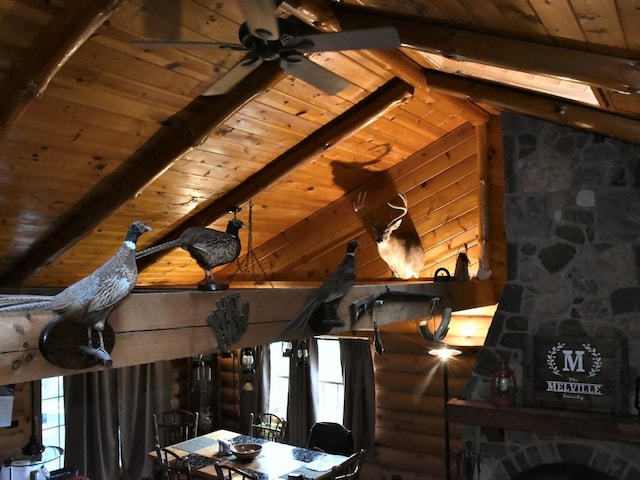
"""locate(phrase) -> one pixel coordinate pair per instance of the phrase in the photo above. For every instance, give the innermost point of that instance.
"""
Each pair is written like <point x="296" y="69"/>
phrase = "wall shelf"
<point x="543" y="420"/>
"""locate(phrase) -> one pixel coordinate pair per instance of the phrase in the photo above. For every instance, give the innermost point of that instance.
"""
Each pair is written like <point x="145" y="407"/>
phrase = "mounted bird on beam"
<point x="208" y="247"/>
<point x="320" y="312"/>
<point x="90" y="300"/>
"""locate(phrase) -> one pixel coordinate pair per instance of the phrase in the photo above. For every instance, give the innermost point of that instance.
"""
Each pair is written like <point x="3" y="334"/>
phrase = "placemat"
<point x="304" y="454"/>
<point x="195" y="444"/>
<point x="199" y="461"/>
<point x="247" y="439"/>
<point x="305" y="472"/>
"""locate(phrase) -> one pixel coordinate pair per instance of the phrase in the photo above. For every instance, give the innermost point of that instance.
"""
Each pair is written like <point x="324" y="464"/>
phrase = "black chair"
<point x="228" y="472"/>
<point x="268" y="426"/>
<point x="171" y="427"/>
<point x="350" y="468"/>
<point x="331" y="437"/>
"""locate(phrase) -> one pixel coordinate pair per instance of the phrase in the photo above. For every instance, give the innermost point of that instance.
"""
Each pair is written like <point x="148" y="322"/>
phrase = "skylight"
<point x="548" y="84"/>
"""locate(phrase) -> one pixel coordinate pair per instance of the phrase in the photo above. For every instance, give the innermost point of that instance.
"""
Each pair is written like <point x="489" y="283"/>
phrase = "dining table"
<point x="275" y="461"/>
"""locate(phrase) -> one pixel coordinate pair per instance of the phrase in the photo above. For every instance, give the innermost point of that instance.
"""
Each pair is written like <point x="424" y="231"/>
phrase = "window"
<point x="279" y="380"/>
<point x="53" y="417"/>
<point x="330" y="382"/>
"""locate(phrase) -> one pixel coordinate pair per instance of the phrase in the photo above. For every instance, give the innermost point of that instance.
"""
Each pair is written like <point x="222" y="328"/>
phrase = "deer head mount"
<point x="402" y="251"/>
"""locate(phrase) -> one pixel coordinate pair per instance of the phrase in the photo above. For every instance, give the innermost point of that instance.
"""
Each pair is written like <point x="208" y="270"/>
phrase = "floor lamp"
<point x="444" y="353"/>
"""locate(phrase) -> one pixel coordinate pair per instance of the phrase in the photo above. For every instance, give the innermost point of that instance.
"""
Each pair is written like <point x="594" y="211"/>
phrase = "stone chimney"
<point x="572" y="223"/>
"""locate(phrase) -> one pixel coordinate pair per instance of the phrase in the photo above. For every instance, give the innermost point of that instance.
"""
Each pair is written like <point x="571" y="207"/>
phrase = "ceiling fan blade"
<point x="367" y="39"/>
<point x="233" y="76"/>
<point x="151" y="44"/>
<point x="314" y="74"/>
<point x="260" y="16"/>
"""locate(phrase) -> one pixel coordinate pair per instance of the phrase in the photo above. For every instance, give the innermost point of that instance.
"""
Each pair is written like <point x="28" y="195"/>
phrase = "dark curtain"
<point x="262" y="384"/>
<point x="91" y="424"/>
<point x="142" y="391"/>
<point x="359" y="391"/>
<point x="102" y="407"/>
<point x="302" y="404"/>
<point x="254" y="396"/>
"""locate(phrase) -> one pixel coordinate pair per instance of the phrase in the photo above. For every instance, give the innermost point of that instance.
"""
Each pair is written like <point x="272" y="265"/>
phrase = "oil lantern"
<point x="503" y="386"/>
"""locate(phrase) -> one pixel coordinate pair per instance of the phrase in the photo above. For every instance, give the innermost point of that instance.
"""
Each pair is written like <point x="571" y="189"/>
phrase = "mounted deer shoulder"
<point x="402" y="251"/>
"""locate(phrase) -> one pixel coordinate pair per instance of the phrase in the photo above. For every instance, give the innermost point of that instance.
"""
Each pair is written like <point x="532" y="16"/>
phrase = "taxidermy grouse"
<point x="209" y="248"/>
<point x="321" y="310"/>
<point x="90" y="300"/>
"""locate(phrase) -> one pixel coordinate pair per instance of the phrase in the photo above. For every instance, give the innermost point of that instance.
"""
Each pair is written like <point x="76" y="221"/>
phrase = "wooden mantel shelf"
<point x="543" y="420"/>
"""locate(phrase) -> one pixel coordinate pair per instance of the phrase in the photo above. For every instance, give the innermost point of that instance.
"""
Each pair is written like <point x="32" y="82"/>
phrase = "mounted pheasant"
<point x="209" y="248"/>
<point x="321" y="310"/>
<point x="90" y="301"/>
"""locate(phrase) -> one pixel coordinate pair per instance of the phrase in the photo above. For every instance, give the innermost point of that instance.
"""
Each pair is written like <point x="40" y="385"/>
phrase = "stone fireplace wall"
<point x="572" y="223"/>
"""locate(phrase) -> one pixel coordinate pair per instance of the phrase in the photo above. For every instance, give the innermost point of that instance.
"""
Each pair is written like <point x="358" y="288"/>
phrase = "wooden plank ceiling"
<point x="96" y="133"/>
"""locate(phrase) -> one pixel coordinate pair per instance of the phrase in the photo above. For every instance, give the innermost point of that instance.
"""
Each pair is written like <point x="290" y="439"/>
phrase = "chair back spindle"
<point x="350" y="468"/>
<point x="268" y="426"/>
<point x="229" y="472"/>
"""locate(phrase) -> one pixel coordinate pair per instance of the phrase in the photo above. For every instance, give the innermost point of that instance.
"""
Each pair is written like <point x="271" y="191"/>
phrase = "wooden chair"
<point x="228" y="472"/>
<point x="171" y="427"/>
<point x="175" y="426"/>
<point x="350" y="468"/>
<point x="331" y="437"/>
<point x="172" y="466"/>
<point x="268" y="426"/>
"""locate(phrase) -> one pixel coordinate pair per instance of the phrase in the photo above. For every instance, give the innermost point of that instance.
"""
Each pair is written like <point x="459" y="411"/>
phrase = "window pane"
<point x="330" y="382"/>
<point x="52" y="413"/>
<point x="52" y="406"/>
<point x="329" y="368"/>
<point x="279" y="389"/>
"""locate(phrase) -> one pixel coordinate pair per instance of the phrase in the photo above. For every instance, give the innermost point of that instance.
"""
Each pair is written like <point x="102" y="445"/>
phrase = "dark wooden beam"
<point x="66" y="32"/>
<point x="387" y="97"/>
<point x="541" y="106"/>
<point x="614" y="73"/>
<point x="176" y="136"/>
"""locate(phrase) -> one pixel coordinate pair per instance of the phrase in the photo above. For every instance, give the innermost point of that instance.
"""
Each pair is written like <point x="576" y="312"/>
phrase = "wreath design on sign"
<point x="551" y="357"/>
<point x="596" y="357"/>
<point x="597" y="360"/>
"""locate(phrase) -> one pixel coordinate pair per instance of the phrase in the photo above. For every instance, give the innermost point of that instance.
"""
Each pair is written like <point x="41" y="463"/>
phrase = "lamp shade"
<point x="468" y="328"/>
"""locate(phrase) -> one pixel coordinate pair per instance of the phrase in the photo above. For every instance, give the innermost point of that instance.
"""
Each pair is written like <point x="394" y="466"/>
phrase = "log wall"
<point x="410" y="440"/>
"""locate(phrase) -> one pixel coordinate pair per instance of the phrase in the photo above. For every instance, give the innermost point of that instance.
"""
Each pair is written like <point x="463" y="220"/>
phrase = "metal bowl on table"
<point x="246" y="451"/>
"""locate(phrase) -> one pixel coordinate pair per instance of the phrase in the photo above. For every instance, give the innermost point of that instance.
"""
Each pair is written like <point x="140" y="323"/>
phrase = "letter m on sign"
<point x="573" y="363"/>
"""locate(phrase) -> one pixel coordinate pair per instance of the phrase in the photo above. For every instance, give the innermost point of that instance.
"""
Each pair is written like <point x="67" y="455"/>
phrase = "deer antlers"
<point x="382" y="234"/>
<point x="402" y="252"/>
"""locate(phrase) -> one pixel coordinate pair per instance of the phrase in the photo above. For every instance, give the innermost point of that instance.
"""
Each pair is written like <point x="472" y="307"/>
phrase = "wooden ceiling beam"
<point x="606" y="71"/>
<point x="386" y="98"/>
<point x="177" y="135"/>
<point x="66" y="32"/>
<point x="536" y="105"/>
<point x="159" y="326"/>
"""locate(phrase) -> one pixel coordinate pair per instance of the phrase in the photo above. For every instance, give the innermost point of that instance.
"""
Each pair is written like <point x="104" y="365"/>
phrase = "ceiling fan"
<point x="267" y="37"/>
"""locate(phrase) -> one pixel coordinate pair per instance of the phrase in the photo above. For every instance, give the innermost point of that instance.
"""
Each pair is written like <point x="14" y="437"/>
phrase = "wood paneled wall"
<point x="229" y="394"/>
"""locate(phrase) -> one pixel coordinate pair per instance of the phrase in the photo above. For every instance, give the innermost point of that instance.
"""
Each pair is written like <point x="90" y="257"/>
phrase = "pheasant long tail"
<point x="158" y="248"/>
<point x="13" y="299"/>
<point x="25" y="306"/>
<point x="296" y="327"/>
